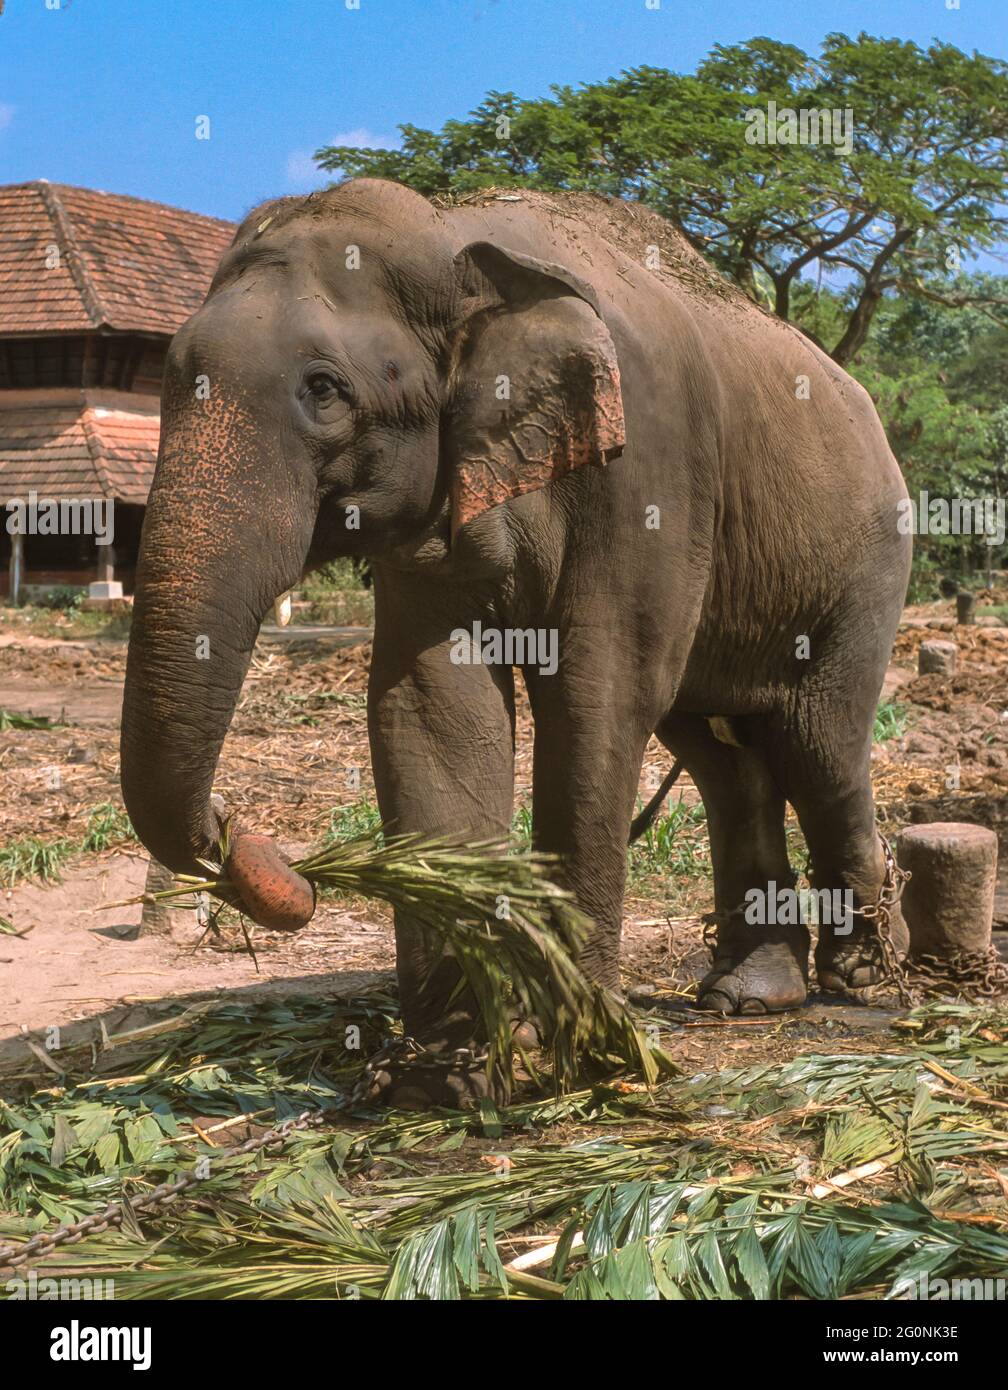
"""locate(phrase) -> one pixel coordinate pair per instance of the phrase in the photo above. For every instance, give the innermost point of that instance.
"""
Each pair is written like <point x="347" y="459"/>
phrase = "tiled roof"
<point x="83" y="450"/>
<point x="123" y="263"/>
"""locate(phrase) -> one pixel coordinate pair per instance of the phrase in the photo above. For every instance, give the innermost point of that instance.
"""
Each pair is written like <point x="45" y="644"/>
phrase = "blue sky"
<point x="106" y="93"/>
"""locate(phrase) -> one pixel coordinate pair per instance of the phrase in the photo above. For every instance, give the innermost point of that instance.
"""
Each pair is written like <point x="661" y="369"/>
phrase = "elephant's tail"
<point x="649" y="814"/>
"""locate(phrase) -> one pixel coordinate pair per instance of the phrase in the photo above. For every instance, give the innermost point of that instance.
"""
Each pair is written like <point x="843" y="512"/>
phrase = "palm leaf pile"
<point x="513" y="932"/>
<point x="824" y="1176"/>
<point x="9" y="719"/>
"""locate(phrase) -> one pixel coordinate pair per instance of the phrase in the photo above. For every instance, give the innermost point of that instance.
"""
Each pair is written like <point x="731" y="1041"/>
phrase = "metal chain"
<point x="710" y="922"/>
<point x="880" y="912"/>
<point x="13" y="1257"/>
<point x="980" y="974"/>
<point x="974" y="974"/>
<point x="917" y="977"/>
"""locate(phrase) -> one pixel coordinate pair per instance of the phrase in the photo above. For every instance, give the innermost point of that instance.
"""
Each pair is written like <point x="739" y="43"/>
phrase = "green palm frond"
<point x="697" y="1188"/>
<point x="512" y="931"/>
<point x="757" y="1246"/>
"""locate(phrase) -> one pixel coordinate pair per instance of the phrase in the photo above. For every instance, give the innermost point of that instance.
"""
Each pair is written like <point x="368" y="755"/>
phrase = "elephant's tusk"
<point x="282" y="609"/>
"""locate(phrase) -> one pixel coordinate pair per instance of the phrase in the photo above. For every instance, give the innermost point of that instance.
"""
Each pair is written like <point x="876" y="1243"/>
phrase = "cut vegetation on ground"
<point x="828" y="1175"/>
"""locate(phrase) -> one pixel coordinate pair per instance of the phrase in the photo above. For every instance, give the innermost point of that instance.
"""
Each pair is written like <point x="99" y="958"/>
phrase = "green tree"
<point x="937" y="376"/>
<point x="969" y="343"/>
<point x="921" y="184"/>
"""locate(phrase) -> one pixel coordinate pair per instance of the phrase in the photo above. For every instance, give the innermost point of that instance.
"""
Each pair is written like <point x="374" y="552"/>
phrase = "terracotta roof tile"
<point x="81" y="451"/>
<point x="124" y="263"/>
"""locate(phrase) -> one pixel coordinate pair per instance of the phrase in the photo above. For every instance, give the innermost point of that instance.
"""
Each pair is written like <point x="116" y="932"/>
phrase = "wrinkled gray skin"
<point x="682" y="528"/>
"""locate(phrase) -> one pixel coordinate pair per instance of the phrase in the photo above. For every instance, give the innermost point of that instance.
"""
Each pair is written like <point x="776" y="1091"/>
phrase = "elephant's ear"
<point x="536" y="389"/>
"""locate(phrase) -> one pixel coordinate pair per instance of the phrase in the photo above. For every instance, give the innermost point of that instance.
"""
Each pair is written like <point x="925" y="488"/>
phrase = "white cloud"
<point x="303" y="174"/>
<point x="363" y="139"/>
<point x="6" y="115"/>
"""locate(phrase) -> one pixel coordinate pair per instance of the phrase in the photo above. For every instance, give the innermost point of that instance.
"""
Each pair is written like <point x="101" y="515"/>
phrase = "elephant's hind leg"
<point x="756" y="968"/>
<point x="832" y="796"/>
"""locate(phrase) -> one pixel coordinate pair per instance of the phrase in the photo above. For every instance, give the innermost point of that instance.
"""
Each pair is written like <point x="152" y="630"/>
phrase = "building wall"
<point x="72" y="561"/>
<point x="119" y="361"/>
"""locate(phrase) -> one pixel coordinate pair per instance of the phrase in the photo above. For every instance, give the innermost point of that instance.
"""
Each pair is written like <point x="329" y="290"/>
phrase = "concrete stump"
<point x="105" y="589"/>
<point x="948" y="904"/>
<point x="965" y="605"/>
<point x="936" y="658"/>
<point x="158" y="918"/>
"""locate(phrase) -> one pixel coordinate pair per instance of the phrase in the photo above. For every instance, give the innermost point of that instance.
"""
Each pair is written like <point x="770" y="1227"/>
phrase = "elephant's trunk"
<point x="225" y="532"/>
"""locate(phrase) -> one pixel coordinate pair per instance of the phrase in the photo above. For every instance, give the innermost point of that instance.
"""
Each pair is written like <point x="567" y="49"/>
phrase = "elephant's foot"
<point x="852" y="963"/>
<point x="528" y="1034"/>
<point x="432" y="1080"/>
<point x="449" y="1070"/>
<point x="439" y="1064"/>
<point x="756" y="970"/>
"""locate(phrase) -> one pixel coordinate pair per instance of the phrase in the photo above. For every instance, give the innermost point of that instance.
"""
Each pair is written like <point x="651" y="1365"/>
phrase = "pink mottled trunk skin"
<point x="222" y="537"/>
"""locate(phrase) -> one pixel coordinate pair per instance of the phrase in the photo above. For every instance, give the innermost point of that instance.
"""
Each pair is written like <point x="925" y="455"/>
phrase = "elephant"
<point x="543" y="417"/>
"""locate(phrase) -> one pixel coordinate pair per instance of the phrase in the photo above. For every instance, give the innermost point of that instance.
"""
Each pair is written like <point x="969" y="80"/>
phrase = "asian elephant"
<point x="547" y="415"/>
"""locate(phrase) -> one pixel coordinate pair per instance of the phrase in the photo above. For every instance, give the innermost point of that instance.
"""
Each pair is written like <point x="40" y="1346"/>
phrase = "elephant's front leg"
<point x="442" y="749"/>
<point x="590" y="736"/>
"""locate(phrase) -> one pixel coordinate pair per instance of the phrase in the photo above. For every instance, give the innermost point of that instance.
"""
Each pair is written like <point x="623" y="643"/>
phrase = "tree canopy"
<point x="937" y="376"/>
<point x="915" y="182"/>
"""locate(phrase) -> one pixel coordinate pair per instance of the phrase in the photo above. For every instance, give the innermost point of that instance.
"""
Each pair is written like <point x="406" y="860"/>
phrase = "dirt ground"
<point x="298" y="749"/>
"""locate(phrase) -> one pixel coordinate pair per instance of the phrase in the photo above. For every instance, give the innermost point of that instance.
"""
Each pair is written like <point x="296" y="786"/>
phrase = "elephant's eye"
<point x="325" y="386"/>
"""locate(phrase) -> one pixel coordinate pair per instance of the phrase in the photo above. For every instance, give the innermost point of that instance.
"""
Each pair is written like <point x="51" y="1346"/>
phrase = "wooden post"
<point x="105" y="586"/>
<point x="948" y="905"/>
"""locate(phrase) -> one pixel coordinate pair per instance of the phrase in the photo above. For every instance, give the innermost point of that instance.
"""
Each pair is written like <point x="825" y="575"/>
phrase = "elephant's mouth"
<point x="436" y="552"/>
<point x="430" y="550"/>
